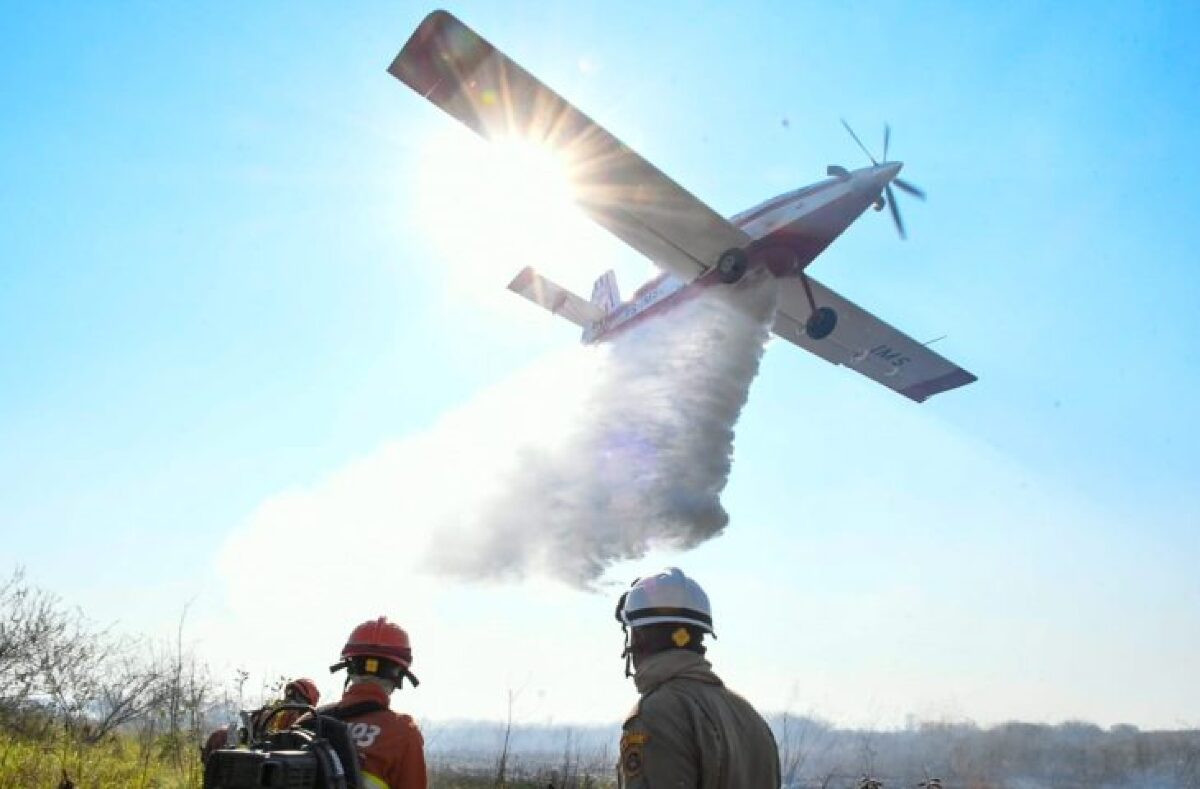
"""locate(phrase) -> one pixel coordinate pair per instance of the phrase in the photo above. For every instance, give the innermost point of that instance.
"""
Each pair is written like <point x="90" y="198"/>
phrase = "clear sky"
<point x="253" y="329"/>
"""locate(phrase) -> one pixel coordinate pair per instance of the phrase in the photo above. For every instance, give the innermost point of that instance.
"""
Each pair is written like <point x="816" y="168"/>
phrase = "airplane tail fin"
<point x="605" y="294"/>
<point x="555" y="298"/>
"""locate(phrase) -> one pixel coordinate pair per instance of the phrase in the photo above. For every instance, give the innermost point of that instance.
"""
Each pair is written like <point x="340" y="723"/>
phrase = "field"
<point x="135" y="761"/>
<point x="81" y="707"/>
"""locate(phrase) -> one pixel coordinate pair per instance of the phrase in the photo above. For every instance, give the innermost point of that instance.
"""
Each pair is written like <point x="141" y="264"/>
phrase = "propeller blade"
<point x="912" y="190"/>
<point x="887" y="135"/>
<point x="860" y="145"/>
<point x="891" y="201"/>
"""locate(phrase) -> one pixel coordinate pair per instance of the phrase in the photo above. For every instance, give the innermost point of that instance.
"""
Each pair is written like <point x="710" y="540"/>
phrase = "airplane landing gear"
<point x="821" y="323"/>
<point x="732" y="265"/>
<point x="822" y="320"/>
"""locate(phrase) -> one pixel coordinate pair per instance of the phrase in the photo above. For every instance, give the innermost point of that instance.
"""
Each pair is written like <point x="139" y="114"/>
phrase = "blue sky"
<point x="225" y="281"/>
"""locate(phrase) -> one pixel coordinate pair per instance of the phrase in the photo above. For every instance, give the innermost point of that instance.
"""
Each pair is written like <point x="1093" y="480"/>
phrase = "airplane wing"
<point x="866" y="344"/>
<point x="447" y="63"/>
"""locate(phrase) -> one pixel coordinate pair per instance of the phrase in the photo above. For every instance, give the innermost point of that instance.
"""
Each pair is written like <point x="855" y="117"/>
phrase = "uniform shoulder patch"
<point x="630" y="760"/>
<point x="632" y="743"/>
<point x="632" y="739"/>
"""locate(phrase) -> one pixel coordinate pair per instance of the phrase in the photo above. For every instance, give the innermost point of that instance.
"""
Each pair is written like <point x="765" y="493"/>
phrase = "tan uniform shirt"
<point x="689" y="731"/>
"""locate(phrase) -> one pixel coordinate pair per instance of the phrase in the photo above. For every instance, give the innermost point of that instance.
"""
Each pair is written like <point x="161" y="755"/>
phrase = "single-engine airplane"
<point x="450" y="65"/>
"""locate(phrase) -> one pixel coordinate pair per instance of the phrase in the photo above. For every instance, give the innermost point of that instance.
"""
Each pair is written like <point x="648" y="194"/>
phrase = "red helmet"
<point x="305" y="689"/>
<point x="379" y="638"/>
<point x="378" y="648"/>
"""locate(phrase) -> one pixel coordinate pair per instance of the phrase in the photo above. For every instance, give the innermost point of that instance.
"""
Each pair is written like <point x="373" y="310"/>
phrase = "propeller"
<point x="900" y="183"/>
<point x="860" y="142"/>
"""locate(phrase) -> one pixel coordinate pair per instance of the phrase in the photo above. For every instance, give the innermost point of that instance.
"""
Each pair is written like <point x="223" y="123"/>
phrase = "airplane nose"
<point x="873" y="179"/>
<point x="880" y="176"/>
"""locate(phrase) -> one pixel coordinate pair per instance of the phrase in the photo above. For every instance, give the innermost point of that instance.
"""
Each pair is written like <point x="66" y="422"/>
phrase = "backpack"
<point x="314" y="753"/>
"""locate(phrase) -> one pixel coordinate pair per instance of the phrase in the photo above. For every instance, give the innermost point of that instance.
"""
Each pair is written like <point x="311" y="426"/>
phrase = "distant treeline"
<point x="816" y="754"/>
<point x="1016" y="755"/>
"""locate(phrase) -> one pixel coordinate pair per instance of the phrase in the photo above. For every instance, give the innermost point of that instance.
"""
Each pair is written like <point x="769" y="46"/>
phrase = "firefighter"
<point x="687" y="729"/>
<point x="301" y="691"/>
<point x="377" y="657"/>
<point x="298" y="691"/>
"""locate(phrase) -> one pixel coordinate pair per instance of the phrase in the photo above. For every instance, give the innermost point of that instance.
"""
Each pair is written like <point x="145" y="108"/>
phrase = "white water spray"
<point x="645" y="459"/>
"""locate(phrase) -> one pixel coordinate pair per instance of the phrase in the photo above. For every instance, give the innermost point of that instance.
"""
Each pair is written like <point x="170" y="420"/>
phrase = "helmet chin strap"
<point x="627" y="653"/>
<point x="395" y="677"/>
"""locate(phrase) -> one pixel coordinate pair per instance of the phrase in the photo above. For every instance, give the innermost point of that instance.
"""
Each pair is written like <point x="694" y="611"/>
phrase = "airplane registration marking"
<point x="642" y="302"/>
<point x="890" y="355"/>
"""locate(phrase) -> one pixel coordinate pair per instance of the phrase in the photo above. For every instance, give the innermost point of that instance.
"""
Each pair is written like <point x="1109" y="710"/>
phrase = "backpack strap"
<point x="351" y="711"/>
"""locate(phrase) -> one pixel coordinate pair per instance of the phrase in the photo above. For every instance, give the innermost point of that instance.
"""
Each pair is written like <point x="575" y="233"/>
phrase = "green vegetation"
<point x="134" y="761"/>
<point x="117" y="760"/>
<point x="80" y="704"/>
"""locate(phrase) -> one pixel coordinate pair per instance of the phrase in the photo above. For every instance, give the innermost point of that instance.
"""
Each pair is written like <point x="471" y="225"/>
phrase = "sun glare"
<point x="490" y="209"/>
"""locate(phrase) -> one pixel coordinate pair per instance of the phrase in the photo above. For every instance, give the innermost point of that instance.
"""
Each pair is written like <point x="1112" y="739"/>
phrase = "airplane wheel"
<point x="732" y="265"/>
<point x="821" y="323"/>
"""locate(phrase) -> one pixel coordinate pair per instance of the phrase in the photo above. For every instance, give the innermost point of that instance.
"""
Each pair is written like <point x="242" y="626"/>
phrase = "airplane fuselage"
<point x="789" y="232"/>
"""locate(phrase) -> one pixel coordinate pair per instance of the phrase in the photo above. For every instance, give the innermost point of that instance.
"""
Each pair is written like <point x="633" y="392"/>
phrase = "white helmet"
<point x="669" y="596"/>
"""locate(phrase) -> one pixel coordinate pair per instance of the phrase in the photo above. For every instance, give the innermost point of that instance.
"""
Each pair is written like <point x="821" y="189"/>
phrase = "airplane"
<point x="458" y="71"/>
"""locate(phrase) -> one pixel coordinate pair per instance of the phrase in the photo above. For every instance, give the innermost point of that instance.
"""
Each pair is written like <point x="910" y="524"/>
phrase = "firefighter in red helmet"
<point x="302" y="691"/>
<point x="377" y="658"/>
<point x="266" y="719"/>
<point x="298" y="691"/>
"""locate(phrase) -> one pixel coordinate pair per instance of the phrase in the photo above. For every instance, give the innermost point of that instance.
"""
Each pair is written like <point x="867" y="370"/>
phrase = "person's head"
<point x="302" y="691"/>
<point x="377" y="652"/>
<point x="662" y="612"/>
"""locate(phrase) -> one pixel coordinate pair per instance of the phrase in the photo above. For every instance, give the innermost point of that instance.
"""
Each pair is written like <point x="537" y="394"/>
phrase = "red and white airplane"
<point x="449" y="64"/>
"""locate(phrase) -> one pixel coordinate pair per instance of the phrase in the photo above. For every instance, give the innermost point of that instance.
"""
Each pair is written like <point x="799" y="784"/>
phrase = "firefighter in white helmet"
<point x="688" y="729"/>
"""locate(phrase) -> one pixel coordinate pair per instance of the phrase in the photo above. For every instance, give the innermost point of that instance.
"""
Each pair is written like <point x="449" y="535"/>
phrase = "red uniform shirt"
<point x="390" y="744"/>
